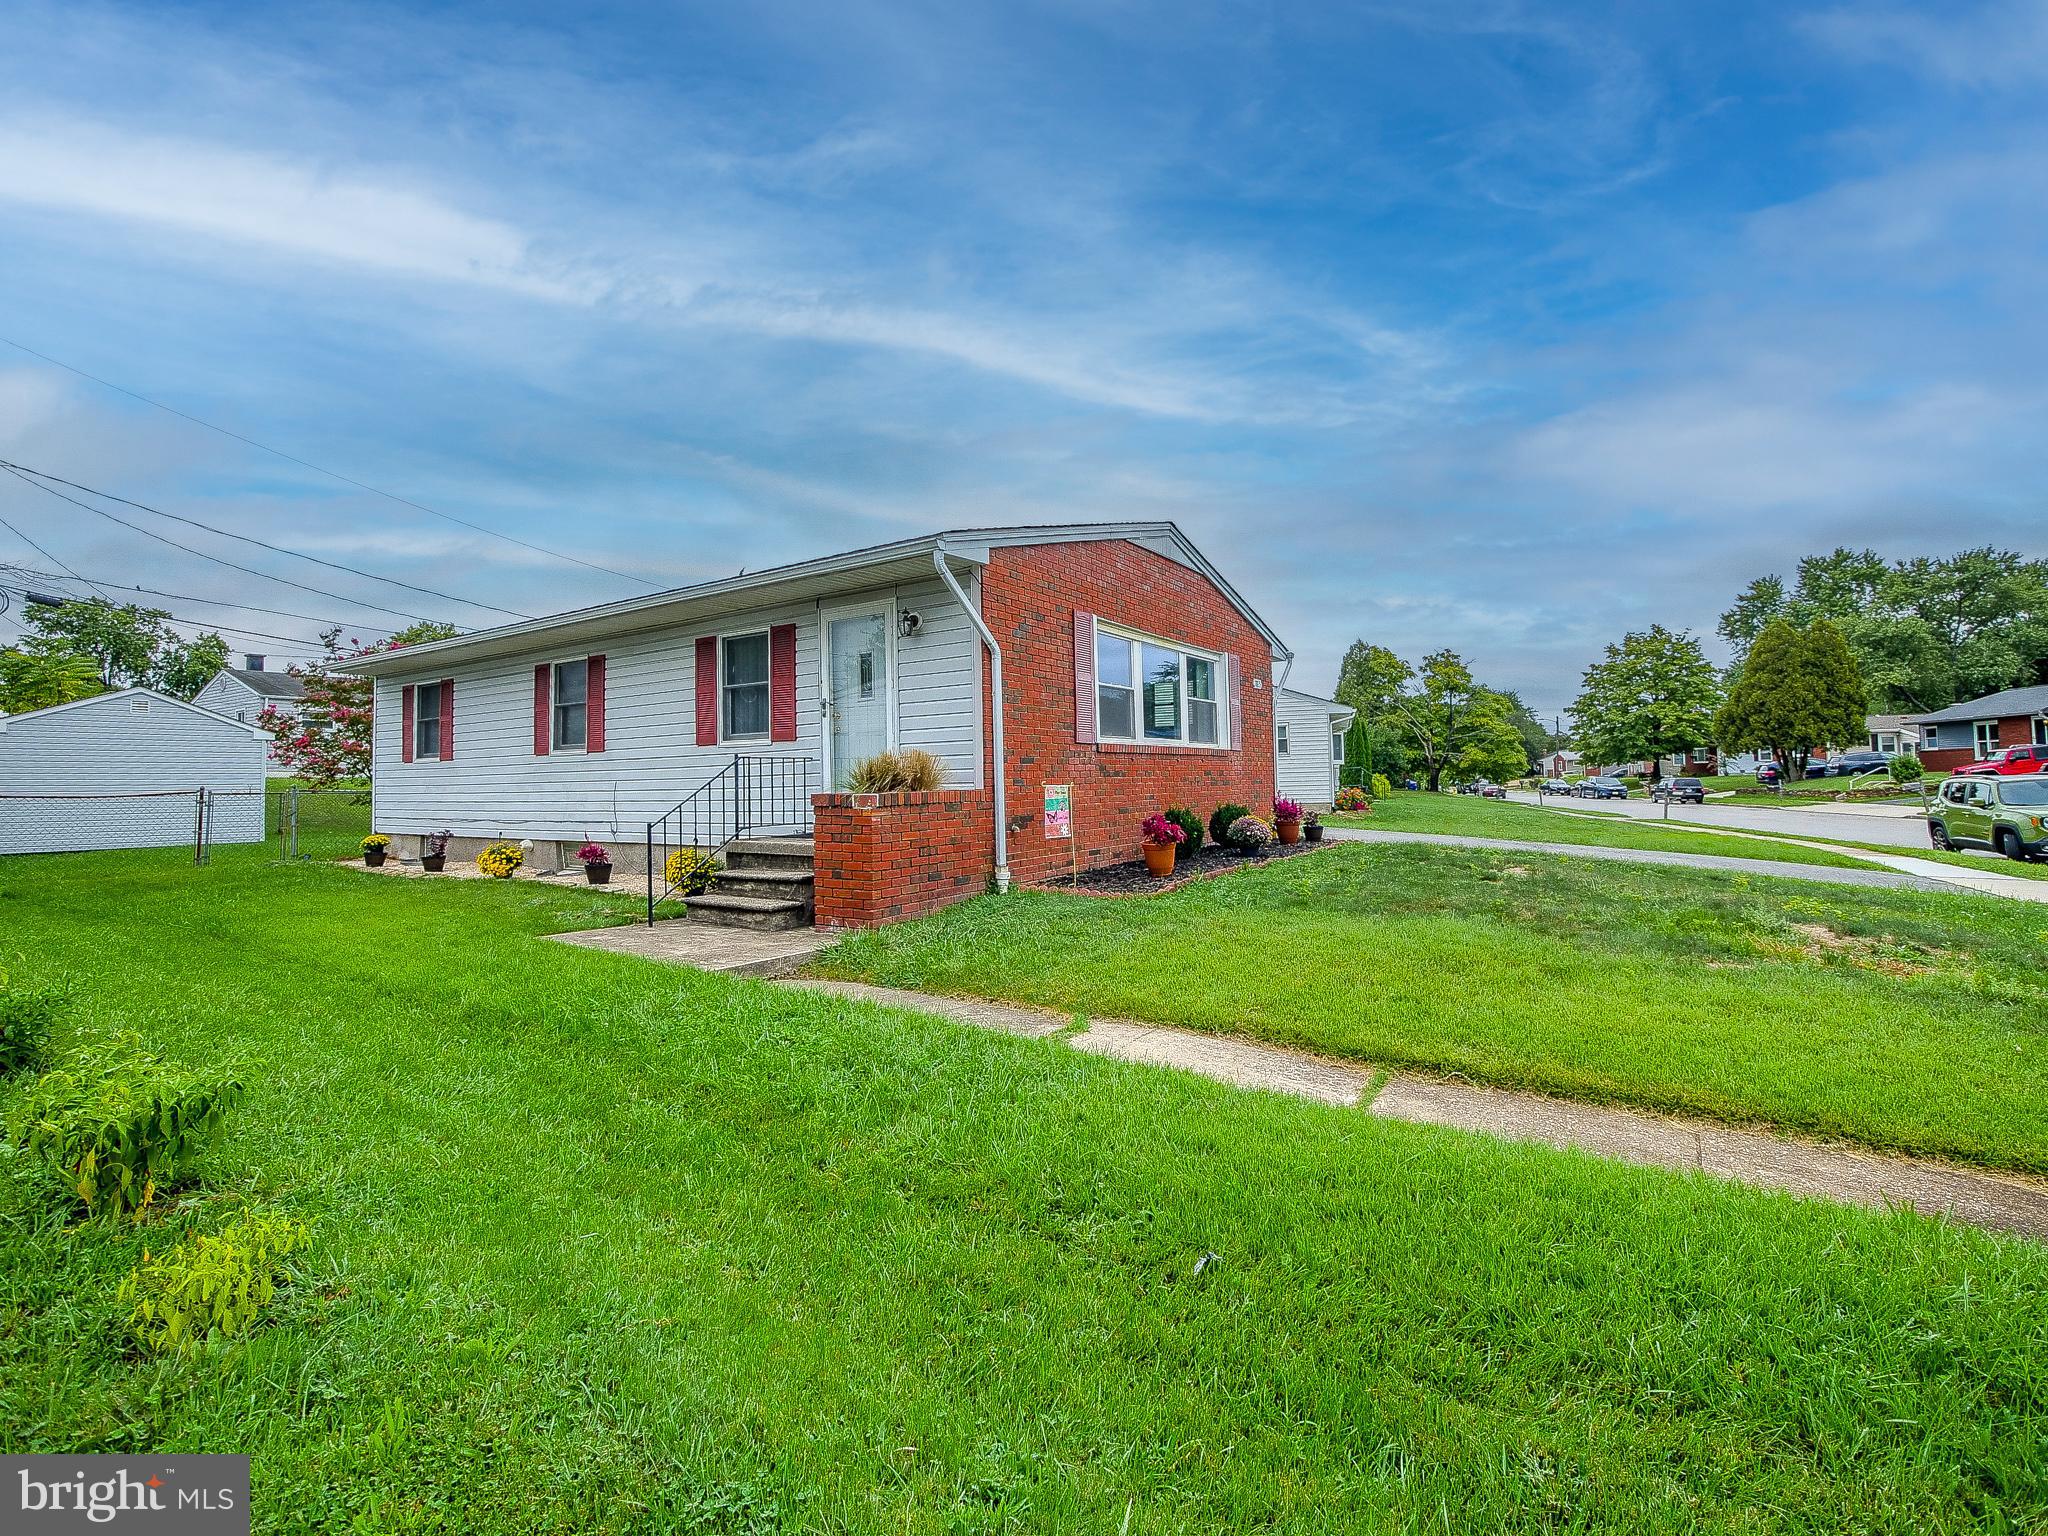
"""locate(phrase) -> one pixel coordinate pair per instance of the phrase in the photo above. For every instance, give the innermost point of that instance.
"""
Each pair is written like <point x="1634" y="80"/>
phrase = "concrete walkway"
<point x="706" y="946"/>
<point x="2000" y="1202"/>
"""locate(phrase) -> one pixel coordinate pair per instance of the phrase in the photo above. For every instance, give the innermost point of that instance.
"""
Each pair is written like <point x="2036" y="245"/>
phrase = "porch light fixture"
<point x="909" y="622"/>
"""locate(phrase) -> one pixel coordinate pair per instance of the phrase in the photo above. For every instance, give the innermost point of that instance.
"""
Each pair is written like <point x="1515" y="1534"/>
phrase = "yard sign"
<point x="1059" y="810"/>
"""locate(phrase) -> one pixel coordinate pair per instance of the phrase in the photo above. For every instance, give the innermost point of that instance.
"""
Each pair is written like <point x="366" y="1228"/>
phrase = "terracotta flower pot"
<point x="1159" y="860"/>
<point x="373" y="857"/>
<point x="597" y="874"/>
<point x="432" y="862"/>
<point x="1290" y="831"/>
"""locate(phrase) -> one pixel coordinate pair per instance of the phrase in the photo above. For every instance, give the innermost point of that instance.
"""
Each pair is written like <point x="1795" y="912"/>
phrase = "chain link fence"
<point x="194" y="818"/>
<point x="318" y="823"/>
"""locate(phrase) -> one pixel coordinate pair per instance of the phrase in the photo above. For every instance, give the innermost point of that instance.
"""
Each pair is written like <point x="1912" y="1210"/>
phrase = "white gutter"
<point x="995" y="688"/>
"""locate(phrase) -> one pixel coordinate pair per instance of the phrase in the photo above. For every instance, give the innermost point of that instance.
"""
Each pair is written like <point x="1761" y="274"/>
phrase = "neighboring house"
<point x="1976" y="728"/>
<point x="1131" y="676"/>
<point x="1565" y="765"/>
<point x="123" y="770"/>
<point x="1892" y="734"/>
<point x="1308" y="746"/>
<point x="244" y="692"/>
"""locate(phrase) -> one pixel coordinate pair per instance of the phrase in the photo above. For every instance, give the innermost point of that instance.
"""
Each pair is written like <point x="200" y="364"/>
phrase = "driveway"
<point x="1854" y="825"/>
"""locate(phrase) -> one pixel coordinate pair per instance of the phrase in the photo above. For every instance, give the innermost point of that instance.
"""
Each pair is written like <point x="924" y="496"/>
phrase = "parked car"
<point x="2005" y="813"/>
<point x="1849" y="764"/>
<point x="1601" y="787"/>
<point x="1485" y="787"/>
<point x="1767" y="774"/>
<point x="2031" y="759"/>
<point x="1680" y="791"/>
<point x="1556" y="787"/>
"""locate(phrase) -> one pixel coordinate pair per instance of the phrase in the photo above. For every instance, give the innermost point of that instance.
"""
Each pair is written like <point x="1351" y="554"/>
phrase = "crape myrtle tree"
<point x="1652" y="696"/>
<point x="328" y="738"/>
<point x="1797" y="690"/>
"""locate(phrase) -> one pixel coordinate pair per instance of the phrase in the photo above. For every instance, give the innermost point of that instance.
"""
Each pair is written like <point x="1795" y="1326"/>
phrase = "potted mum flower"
<point x="1161" y="838"/>
<point x="597" y="862"/>
<point x="1287" y="820"/>
<point x="1352" y="801"/>
<point x="1312" y="827"/>
<point x="375" y="846"/>
<point x="500" y="859"/>
<point x="1248" y="835"/>
<point x="434" y="851"/>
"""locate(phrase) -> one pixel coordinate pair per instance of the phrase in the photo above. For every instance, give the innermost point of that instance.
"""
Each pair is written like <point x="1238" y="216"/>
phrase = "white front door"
<point x="859" y="689"/>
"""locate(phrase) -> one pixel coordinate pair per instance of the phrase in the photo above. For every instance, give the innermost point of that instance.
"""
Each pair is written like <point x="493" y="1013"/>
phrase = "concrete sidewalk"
<point x="2001" y="1202"/>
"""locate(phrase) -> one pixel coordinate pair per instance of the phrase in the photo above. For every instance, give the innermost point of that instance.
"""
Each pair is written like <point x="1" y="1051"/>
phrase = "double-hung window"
<point x="572" y="705"/>
<point x="1336" y="746"/>
<point x="426" y="720"/>
<point x="1282" y="729"/>
<point x="744" y="686"/>
<point x="1152" y="691"/>
<point x="1987" y="737"/>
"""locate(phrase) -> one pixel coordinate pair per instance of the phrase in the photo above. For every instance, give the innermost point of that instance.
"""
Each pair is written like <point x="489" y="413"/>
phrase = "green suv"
<point x="2007" y="815"/>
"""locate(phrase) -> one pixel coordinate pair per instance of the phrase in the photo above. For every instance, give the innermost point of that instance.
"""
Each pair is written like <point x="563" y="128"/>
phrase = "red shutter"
<point x="782" y="682"/>
<point x="1084" y="677"/>
<point x="543" y="734"/>
<point x="1233" y="683"/>
<point x="707" y="690"/>
<point x="405" y="724"/>
<point x="447" y="719"/>
<point x="593" y="709"/>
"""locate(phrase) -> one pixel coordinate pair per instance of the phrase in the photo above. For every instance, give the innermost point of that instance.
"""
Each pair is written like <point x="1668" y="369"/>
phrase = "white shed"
<point x="1308" y="746"/>
<point x="123" y="770"/>
<point x="245" y="692"/>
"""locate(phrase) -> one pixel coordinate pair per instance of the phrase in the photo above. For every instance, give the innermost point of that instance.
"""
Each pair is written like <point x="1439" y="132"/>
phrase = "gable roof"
<point x="876" y="565"/>
<point x="271" y="685"/>
<point x="1993" y="706"/>
<point x="128" y="693"/>
<point x="1330" y="706"/>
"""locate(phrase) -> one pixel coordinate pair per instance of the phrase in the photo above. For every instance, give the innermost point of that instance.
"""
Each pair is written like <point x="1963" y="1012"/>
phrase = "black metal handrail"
<point x="748" y="794"/>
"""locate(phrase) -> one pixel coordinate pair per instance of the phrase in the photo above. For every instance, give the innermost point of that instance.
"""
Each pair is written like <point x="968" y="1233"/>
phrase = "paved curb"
<point x="2001" y="1202"/>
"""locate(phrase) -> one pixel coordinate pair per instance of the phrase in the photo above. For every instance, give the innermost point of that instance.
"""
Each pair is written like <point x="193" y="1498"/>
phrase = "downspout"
<point x="995" y="685"/>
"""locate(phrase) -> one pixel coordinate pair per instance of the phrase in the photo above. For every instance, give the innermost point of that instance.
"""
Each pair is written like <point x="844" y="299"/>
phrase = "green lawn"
<point x="1471" y="816"/>
<point x="1902" y="1020"/>
<point x="600" y="1245"/>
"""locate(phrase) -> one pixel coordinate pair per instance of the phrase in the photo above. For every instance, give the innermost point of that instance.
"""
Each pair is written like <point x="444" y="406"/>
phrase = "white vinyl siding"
<point x="230" y="696"/>
<point x="497" y="786"/>
<point x="1303" y="770"/>
<point x="107" y="746"/>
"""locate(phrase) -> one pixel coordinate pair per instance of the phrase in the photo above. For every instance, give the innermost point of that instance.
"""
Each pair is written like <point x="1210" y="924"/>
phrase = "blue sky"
<point x="1506" y="328"/>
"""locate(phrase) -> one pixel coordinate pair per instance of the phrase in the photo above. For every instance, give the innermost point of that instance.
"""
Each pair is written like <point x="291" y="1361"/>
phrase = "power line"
<point x="404" y="501"/>
<point x="313" y="646"/>
<point x="249" y="570"/>
<point x="108" y="587"/>
<point x="20" y="471"/>
<point x="32" y="544"/>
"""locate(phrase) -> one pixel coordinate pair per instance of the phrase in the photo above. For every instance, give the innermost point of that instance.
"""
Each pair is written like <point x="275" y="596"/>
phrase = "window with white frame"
<point x="1336" y="746"/>
<point x="426" y="720"/>
<point x="572" y="705"/>
<point x="1151" y="691"/>
<point x="1282" y="728"/>
<point x="744" y="684"/>
<point x="1987" y="737"/>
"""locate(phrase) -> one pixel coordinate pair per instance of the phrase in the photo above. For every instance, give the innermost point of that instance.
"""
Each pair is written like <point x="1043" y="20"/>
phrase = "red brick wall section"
<point x="1029" y="597"/>
<point x="884" y="857"/>
<point x="2013" y="731"/>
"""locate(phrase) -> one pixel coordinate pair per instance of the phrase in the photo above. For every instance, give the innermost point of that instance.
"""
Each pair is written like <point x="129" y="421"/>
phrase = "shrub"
<point x="593" y="853"/>
<point x="690" y="871"/>
<point x="1905" y="769"/>
<point x="209" y="1287"/>
<point x="119" y="1130"/>
<point x="500" y="859"/>
<point x="27" y="1015"/>
<point x="1221" y="818"/>
<point x="895" y="772"/>
<point x="1382" y="786"/>
<point x="1286" y="810"/>
<point x="1249" y="834"/>
<point x="1351" y="799"/>
<point x="376" y="842"/>
<point x="1160" y="828"/>
<point x="1190" y="825"/>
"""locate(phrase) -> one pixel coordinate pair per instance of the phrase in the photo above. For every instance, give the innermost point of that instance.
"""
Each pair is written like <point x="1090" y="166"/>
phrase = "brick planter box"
<point x="881" y="858"/>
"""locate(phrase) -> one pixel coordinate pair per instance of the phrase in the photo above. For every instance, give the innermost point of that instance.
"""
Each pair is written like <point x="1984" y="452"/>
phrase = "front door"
<point x="859" y="716"/>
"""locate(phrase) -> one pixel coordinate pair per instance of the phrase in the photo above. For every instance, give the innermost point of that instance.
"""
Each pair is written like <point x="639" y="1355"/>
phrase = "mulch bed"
<point x="1133" y="879"/>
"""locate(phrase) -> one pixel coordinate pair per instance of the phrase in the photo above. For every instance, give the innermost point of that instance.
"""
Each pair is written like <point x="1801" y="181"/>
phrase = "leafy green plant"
<point x="895" y="772"/>
<point x="1221" y="818"/>
<point x="119" y="1129"/>
<point x="690" y="871"/>
<point x="1382" y="786"/>
<point x="210" y="1287"/>
<point x="27" y="1015"/>
<point x="1905" y="768"/>
<point x="1189" y="823"/>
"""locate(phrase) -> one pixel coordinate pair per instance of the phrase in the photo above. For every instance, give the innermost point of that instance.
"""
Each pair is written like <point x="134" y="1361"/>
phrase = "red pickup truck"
<point x="2032" y="759"/>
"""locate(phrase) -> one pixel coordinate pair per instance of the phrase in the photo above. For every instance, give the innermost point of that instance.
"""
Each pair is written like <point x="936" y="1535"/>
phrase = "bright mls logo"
<point x="170" y="1495"/>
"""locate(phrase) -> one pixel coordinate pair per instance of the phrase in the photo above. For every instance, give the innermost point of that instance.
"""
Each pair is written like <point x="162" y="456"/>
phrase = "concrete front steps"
<point x="766" y="884"/>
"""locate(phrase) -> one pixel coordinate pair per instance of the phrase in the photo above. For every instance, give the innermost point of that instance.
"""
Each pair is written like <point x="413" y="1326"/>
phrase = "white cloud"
<point x="1998" y="45"/>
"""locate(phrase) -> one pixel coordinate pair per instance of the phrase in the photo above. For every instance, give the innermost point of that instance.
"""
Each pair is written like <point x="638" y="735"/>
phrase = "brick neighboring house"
<point x="1975" y="728"/>
<point x="1132" y="674"/>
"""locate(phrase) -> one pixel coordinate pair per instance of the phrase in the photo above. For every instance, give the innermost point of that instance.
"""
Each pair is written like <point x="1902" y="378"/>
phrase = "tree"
<point x="1377" y="748"/>
<point x="1448" y="715"/>
<point x="29" y="680"/>
<point x="1651" y="696"/>
<point x="329" y="739"/>
<point x="1797" y="690"/>
<point x="129" y="645"/>
<point x="1370" y="678"/>
<point x="1492" y="747"/>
